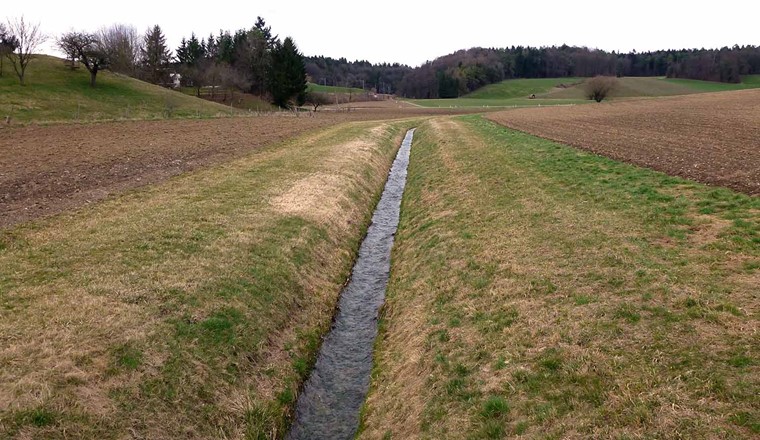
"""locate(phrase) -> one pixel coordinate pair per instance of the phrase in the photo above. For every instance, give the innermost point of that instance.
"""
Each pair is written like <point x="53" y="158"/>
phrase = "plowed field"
<point x="712" y="138"/>
<point x="48" y="169"/>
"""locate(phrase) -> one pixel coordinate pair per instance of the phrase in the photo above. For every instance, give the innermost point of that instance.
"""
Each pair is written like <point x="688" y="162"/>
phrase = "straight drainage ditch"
<point x="329" y="406"/>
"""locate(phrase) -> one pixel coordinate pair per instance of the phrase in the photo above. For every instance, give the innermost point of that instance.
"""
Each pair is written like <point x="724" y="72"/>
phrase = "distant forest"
<point x="464" y="71"/>
<point x="256" y="61"/>
<point x="383" y="78"/>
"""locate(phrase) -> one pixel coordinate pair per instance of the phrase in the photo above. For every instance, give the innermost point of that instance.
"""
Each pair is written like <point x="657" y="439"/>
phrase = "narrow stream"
<point x="333" y="395"/>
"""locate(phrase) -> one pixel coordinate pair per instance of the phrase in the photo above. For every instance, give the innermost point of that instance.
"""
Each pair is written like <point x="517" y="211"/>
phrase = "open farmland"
<point x="712" y="138"/>
<point x="538" y="291"/>
<point x="48" y="169"/>
<point x="44" y="170"/>
<point x="191" y="308"/>
<point x="567" y="91"/>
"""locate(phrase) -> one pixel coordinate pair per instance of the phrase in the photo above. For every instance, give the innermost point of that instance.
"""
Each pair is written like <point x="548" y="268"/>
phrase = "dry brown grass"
<point x="49" y="169"/>
<point x="710" y="137"/>
<point x="191" y="308"/>
<point x="530" y="295"/>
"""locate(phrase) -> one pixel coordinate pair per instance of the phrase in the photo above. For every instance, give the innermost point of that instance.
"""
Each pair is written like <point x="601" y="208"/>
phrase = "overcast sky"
<point x="414" y="32"/>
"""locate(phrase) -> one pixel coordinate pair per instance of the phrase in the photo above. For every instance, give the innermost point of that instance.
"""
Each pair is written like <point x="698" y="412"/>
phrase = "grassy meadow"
<point x="53" y="92"/>
<point x="566" y="91"/>
<point x="543" y="292"/>
<point x="522" y="88"/>
<point x="188" y="309"/>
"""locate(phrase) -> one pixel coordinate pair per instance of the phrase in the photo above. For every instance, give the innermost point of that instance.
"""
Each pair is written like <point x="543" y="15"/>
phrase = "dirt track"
<point x="46" y="170"/>
<point x="712" y="138"/>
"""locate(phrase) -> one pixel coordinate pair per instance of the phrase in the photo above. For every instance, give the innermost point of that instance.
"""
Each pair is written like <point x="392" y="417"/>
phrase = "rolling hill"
<point x="53" y="92"/>
<point x="562" y="91"/>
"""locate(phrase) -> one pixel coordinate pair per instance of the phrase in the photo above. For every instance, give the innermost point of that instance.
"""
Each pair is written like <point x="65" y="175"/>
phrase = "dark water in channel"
<point x="333" y="395"/>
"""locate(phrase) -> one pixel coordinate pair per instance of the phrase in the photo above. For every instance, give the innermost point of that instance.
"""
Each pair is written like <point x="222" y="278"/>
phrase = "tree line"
<point x="251" y="60"/>
<point x="383" y="78"/>
<point x="464" y="71"/>
<point x="258" y="62"/>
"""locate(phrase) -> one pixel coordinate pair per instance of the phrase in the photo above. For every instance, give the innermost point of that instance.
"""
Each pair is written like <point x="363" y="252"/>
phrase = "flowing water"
<point x="333" y="395"/>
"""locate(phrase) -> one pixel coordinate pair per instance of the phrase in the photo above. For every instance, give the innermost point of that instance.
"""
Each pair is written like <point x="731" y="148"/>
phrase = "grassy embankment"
<point x="515" y="92"/>
<point x="53" y="92"/>
<point x="191" y="309"/>
<point x="545" y="292"/>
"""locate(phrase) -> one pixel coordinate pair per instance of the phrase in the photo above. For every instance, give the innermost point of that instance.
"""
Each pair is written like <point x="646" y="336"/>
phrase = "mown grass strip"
<point x="541" y="291"/>
<point x="191" y="309"/>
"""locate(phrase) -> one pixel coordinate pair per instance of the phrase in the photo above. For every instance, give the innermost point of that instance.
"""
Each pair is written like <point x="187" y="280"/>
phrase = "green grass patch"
<point x="582" y="296"/>
<point x="523" y="88"/>
<point x="569" y="91"/>
<point x="748" y="82"/>
<point x="54" y="92"/>
<point x="127" y="357"/>
<point x="494" y="103"/>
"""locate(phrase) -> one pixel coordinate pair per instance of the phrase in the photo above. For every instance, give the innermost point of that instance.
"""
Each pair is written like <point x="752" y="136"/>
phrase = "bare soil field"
<point x="712" y="138"/>
<point x="47" y="169"/>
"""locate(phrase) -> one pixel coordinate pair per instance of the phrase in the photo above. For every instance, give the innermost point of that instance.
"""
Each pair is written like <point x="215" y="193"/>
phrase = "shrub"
<point x="598" y="87"/>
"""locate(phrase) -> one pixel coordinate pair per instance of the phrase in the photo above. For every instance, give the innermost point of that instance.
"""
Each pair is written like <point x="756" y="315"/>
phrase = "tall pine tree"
<point x="182" y="54"/>
<point x="196" y="50"/>
<point x="155" y="56"/>
<point x="287" y="75"/>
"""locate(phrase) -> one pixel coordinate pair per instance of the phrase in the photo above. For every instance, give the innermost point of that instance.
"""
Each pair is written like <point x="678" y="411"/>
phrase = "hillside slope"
<point x="53" y="92"/>
<point x="522" y="88"/>
<point x="564" y="91"/>
<point x="632" y="87"/>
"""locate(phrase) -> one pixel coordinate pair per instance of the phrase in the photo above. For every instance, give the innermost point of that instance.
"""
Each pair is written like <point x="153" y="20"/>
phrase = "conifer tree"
<point x="155" y="56"/>
<point x="182" y="54"/>
<point x="212" y="48"/>
<point x="195" y="50"/>
<point x="287" y="75"/>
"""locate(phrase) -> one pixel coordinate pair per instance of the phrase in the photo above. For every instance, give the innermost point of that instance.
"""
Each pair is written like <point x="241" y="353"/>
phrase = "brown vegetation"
<point x="189" y="309"/>
<point x="599" y="87"/>
<point x="45" y="170"/>
<point x="711" y="138"/>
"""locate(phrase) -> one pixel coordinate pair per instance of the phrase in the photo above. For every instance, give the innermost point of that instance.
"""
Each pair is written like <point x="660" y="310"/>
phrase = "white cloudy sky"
<point x="414" y="32"/>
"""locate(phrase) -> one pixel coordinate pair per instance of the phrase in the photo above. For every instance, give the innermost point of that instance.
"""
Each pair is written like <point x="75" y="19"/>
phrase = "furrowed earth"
<point x="48" y="169"/>
<point x="712" y="138"/>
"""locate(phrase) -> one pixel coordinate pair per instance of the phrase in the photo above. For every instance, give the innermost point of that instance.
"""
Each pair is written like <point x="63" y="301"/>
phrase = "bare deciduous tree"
<point x="121" y="45"/>
<point x="598" y="87"/>
<point x="316" y="99"/>
<point x="232" y="80"/>
<point x="85" y="48"/>
<point x="28" y="38"/>
<point x="66" y="43"/>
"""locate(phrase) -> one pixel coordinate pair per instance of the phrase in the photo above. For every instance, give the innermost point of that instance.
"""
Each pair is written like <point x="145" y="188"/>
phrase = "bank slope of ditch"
<point x="333" y="395"/>
<point x="189" y="309"/>
<point x="541" y="291"/>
